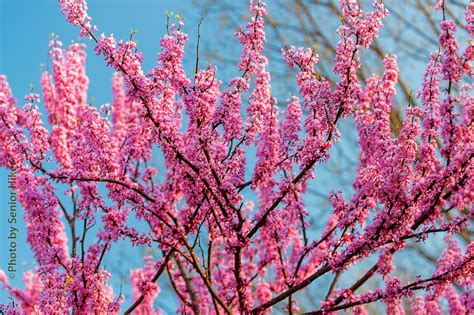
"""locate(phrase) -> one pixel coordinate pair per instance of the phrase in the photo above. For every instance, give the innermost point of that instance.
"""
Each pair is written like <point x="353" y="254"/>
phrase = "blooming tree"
<point x="226" y="252"/>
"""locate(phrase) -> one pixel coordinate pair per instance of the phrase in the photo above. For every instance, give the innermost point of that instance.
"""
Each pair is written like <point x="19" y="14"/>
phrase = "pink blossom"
<point x="234" y="237"/>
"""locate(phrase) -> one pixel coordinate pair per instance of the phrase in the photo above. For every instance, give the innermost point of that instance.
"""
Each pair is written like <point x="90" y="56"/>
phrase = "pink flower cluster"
<point x="233" y="237"/>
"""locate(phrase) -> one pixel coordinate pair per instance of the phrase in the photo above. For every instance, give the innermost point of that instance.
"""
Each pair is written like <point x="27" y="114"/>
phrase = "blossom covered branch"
<point x="232" y="244"/>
